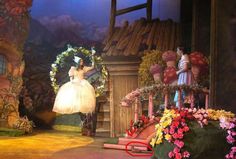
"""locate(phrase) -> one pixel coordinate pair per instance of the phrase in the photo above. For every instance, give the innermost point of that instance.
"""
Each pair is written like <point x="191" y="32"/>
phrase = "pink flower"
<point x="186" y="154"/>
<point x="179" y="143"/>
<point x="230" y="139"/>
<point x="172" y="131"/>
<point x="205" y="122"/>
<point x="186" y="128"/>
<point x="176" y="150"/>
<point x="166" y="131"/>
<point x="180" y="131"/>
<point x="175" y="136"/>
<point x="233" y="133"/>
<point x="171" y="154"/>
<point x="231" y="125"/>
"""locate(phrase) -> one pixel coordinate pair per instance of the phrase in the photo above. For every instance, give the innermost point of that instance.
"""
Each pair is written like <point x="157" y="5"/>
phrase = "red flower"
<point x="178" y="156"/>
<point x="175" y="123"/>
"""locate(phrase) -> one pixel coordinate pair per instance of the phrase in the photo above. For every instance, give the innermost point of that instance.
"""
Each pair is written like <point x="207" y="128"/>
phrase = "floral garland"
<point x="172" y="127"/>
<point x="99" y="89"/>
<point x="157" y="88"/>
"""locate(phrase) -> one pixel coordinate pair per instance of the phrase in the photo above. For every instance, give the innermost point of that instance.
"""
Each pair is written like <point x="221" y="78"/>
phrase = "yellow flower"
<point x="168" y="137"/>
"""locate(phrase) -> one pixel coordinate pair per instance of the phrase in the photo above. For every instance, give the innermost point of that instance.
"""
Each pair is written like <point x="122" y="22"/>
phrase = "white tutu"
<point x="75" y="96"/>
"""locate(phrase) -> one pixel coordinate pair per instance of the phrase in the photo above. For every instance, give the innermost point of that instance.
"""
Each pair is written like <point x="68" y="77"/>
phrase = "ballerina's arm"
<point x="86" y="68"/>
<point x="71" y="72"/>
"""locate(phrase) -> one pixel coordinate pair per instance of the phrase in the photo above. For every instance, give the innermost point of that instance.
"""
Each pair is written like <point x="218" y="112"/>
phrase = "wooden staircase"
<point x="103" y="118"/>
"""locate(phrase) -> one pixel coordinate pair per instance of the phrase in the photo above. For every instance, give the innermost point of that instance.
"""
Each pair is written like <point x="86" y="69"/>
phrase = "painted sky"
<point x="98" y="11"/>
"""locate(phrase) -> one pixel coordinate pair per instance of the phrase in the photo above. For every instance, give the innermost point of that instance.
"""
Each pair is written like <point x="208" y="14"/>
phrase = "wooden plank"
<point x="124" y="40"/>
<point x="138" y="39"/>
<point x="130" y="9"/>
<point x="167" y="35"/>
<point x="151" y="36"/>
<point x="173" y="35"/>
<point x="156" y="36"/>
<point x="146" y="32"/>
<point x="149" y="10"/>
<point x="109" y="42"/>
<point x="136" y="29"/>
<point x="213" y="53"/>
<point x="112" y="110"/>
<point x="112" y="17"/>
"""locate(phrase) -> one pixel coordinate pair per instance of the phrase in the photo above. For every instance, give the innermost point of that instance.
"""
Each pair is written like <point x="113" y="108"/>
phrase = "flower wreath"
<point x="98" y="82"/>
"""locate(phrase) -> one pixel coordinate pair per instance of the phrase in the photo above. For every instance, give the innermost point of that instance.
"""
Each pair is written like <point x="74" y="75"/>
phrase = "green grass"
<point x="10" y="132"/>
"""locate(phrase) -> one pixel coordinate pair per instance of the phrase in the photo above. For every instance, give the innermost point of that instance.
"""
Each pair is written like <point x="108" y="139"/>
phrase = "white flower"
<point x="54" y="65"/>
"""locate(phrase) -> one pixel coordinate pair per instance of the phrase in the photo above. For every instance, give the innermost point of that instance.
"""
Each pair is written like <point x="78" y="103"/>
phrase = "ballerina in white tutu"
<point x="77" y="95"/>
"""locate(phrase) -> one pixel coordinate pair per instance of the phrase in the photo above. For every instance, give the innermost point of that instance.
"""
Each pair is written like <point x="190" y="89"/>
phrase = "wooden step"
<point x="104" y="107"/>
<point x="102" y="130"/>
<point x="104" y="125"/>
<point x="123" y="147"/>
<point x="103" y="116"/>
<point x="124" y="141"/>
<point x="103" y="119"/>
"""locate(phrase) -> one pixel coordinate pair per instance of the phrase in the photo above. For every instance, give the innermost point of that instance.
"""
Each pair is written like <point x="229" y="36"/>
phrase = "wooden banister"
<point x="150" y="105"/>
<point x="136" y="109"/>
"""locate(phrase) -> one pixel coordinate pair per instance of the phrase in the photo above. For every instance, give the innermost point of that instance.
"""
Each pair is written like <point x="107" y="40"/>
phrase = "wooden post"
<point x="136" y="109"/>
<point x="149" y="10"/>
<point x="166" y="99"/>
<point x="192" y="99"/>
<point x="150" y="105"/>
<point x="179" y="98"/>
<point x="112" y="17"/>
<point x="206" y="101"/>
<point x="213" y="52"/>
<point x="112" y="109"/>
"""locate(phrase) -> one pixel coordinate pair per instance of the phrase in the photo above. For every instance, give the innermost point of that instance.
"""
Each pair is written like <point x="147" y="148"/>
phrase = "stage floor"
<point x="58" y="145"/>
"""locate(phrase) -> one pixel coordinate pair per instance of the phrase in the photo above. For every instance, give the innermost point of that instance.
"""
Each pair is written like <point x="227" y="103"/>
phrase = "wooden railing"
<point x="134" y="97"/>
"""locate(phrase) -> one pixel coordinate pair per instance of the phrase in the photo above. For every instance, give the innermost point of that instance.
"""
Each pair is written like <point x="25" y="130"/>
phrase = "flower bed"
<point x="195" y="134"/>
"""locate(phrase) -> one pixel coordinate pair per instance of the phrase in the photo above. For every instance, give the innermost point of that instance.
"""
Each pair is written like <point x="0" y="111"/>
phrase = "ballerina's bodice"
<point x="78" y="74"/>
